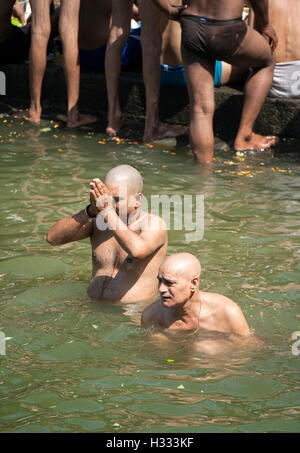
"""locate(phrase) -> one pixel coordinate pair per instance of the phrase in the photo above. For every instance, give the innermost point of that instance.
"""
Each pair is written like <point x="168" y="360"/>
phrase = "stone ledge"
<point x="278" y="117"/>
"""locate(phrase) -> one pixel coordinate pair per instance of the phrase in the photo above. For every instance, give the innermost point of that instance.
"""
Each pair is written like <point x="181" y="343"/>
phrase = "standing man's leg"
<point x="254" y="52"/>
<point x="199" y="75"/>
<point x="40" y="33"/>
<point x="153" y="25"/>
<point x="119" y="34"/>
<point x="68" y="29"/>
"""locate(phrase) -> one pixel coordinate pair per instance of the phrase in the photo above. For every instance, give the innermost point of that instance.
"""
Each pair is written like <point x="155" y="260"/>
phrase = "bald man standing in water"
<point x="183" y="307"/>
<point x="214" y="30"/>
<point x="128" y="244"/>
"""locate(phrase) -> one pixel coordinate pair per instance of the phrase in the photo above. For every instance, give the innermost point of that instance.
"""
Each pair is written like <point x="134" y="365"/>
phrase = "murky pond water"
<point x="76" y="366"/>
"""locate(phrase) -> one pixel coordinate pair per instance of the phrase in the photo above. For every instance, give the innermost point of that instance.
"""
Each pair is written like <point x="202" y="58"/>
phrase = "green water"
<point x="76" y="366"/>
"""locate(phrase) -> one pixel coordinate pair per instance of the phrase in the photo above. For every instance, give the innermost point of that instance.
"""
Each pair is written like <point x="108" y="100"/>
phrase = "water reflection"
<point x="75" y="365"/>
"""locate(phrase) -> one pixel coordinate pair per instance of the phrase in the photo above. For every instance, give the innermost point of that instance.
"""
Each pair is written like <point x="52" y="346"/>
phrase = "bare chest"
<point x="107" y="254"/>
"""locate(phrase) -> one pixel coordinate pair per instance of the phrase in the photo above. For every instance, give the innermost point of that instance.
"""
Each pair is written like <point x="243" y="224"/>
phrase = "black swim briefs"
<point x="211" y="38"/>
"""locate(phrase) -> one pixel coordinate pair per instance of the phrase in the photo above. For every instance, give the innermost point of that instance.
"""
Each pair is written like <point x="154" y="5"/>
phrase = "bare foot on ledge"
<point x="254" y="141"/>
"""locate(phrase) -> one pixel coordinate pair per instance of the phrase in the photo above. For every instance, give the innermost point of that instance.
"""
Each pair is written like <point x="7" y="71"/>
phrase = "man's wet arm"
<point x="139" y="246"/>
<point x="237" y="322"/>
<point x="70" y="229"/>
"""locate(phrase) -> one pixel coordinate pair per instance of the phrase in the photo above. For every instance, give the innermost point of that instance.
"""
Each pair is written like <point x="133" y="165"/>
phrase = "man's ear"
<point x="138" y="199"/>
<point x="194" y="284"/>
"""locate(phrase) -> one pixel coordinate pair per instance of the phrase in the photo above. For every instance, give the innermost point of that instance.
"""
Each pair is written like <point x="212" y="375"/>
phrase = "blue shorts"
<point x="131" y="55"/>
<point x="174" y="75"/>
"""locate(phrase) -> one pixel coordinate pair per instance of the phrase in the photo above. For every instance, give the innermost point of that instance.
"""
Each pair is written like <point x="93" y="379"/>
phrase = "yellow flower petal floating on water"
<point x="230" y="162"/>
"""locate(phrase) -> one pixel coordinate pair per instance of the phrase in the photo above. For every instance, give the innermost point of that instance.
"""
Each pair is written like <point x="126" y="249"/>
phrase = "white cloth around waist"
<point x="286" y="80"/>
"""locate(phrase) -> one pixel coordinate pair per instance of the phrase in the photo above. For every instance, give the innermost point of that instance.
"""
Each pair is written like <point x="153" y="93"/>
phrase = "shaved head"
<point x="125" y="175"/>
<point x="183" y="265"/>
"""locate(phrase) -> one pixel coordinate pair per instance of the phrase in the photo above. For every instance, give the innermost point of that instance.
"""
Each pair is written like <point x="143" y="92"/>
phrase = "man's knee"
<point x="67" y="29"/>
<point x="202" y="111"/>
<point x="41" y="32"/>
<point x="200" y="107"/>
<point x="119" y="36"/>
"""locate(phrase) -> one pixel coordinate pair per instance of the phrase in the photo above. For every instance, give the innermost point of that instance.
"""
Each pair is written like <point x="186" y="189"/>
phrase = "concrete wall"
<point x="278" y="117"/>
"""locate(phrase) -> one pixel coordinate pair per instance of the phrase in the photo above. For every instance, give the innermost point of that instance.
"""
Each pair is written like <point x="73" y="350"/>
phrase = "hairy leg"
<point x="254" y="52"/>
<point x="119" y="34"/>
<point x="153" y="25"/>
<point x="40" y="33"/>
<point x="68" y="29"/>
<point x="200" y="82"/>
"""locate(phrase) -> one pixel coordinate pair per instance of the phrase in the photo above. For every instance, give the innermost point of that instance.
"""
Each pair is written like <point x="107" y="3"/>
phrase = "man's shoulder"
<point x="228" y="313"/>
<point x="155" y="225"/>
<point x="154" y="221"/>
<point x="149" y="314"/>
<point x="219" y="301"/>
<point x="152" y="308"/>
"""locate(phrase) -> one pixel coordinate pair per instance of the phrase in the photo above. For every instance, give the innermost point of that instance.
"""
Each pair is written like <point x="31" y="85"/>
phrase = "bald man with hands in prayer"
<point x="128" y="244"/>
